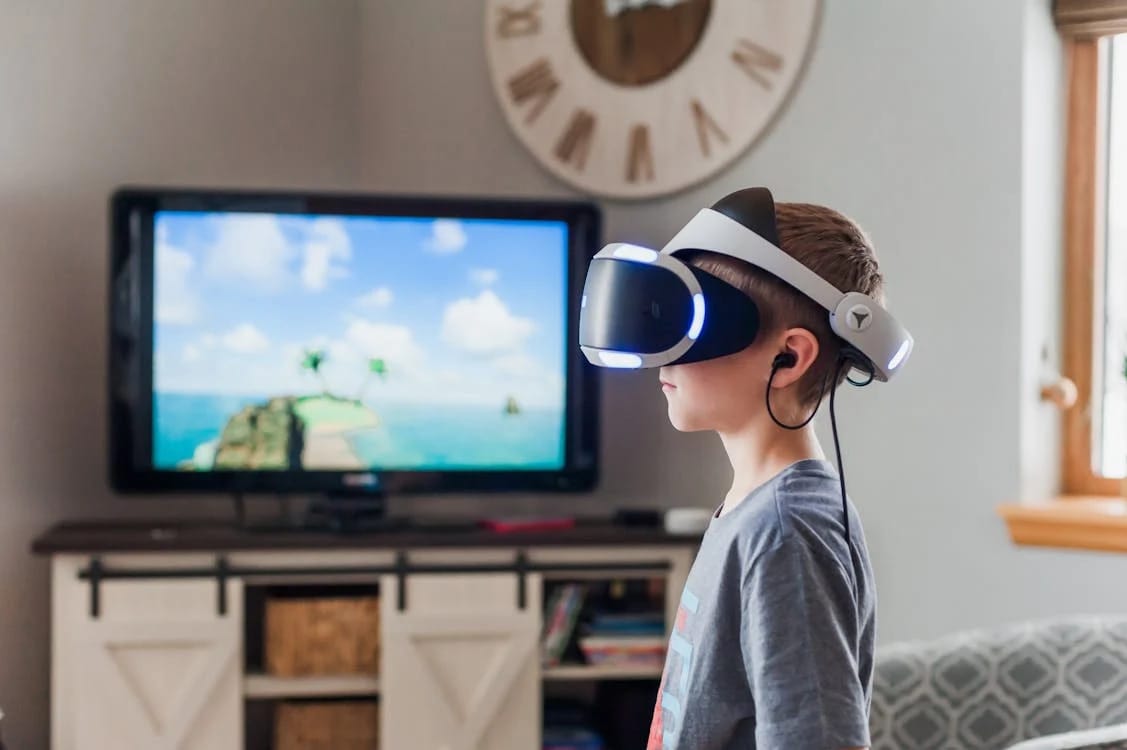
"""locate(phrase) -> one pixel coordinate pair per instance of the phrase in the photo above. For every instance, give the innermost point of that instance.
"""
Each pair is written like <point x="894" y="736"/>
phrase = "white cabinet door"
<point x="461" y="665"/>
<point x="159" y="668"/>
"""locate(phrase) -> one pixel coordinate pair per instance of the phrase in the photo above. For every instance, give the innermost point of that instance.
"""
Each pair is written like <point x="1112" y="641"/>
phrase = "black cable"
<point x="774" y="370"/>
<point x="845" y="362"/>
<point x="837" y="451"/>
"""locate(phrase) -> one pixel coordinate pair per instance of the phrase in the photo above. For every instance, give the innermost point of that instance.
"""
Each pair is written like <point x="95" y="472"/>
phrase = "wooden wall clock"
<point x="641" y="98"/>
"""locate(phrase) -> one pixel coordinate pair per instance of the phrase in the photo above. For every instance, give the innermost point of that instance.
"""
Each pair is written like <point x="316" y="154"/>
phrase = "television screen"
<point x="307" y="342"/>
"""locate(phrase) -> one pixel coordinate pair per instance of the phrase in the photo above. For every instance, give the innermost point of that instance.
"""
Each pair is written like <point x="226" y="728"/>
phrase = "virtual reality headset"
<point x="642" y="308"/>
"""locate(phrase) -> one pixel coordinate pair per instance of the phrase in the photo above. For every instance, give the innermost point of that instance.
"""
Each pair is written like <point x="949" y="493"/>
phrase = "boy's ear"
<point x="799" y="352"/>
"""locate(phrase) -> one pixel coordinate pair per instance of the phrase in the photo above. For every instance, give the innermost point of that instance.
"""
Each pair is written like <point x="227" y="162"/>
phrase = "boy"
<point x="772" y="647"/>
<point x="780" y="645"/>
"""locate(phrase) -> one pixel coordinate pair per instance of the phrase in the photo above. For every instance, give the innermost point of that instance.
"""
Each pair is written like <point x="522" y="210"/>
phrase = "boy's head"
<point x="724" y="393"/>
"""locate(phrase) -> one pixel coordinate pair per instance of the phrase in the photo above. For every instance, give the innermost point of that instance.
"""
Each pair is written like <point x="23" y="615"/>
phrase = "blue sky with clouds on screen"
<point x="461" y="310"/>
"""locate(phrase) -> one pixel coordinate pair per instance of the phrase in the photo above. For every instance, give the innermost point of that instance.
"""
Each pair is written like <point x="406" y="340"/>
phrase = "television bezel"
<point x="131" y="344"/>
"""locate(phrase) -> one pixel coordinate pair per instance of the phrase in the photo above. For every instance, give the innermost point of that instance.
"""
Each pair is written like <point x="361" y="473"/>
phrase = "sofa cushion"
<point x="989" y="689"/>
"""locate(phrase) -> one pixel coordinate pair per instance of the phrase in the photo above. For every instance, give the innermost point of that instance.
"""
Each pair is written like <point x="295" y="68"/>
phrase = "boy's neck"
<point x="760" y="451"/>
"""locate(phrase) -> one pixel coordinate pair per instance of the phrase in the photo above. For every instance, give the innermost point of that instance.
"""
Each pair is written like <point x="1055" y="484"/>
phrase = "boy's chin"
<point x="687" y="422"/>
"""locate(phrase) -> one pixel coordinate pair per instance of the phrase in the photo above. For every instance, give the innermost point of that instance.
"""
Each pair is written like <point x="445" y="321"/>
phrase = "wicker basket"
<point x="344" y="725"/>
<point x="322" y="636"/>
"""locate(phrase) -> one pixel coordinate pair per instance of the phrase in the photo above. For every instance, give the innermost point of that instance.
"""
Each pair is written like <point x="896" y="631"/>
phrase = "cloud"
<point x="345" y="368"/>
<point x="245" y="339"/>
<point x="251" y="249"/>
<point x="209" y="341"/>
<point x="484" y="276"/>
<point x="451" y="377"/>
<point x="191" y="353"/>
<point x="519" y="365"/>
<point x="326" y="247"/>
<point x="484" y="325"/>
<point x="292" y="353"/>
<point x="378" y="297"/>
<point x="365" y="339"/>
<point x="531" y="379"/>
<point x="447" y="237"/>
<point x="176" y="303"/>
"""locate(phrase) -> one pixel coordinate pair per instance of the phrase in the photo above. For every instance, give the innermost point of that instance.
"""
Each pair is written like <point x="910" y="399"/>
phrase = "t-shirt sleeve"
<point x="800" y="637"/>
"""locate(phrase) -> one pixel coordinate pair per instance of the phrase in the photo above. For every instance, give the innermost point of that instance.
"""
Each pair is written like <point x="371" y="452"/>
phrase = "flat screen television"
<point x="294" y="342"/>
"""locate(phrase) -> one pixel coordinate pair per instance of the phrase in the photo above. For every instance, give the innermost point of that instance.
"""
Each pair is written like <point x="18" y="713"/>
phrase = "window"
<point x="1094" y="438"/>
<point x="1095" y="346"/>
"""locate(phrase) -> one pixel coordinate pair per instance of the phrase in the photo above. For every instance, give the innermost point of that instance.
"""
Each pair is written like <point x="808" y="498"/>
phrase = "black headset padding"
<point x="754" y="208"/>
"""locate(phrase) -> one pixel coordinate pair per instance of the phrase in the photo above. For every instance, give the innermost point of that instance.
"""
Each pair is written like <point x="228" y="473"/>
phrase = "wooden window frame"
<point x="1085" y="246"/>
<point x="1091" y="513"/>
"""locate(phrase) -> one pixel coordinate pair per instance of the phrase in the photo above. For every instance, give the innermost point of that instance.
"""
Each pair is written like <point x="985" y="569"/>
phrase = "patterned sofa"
<point x="1051" y="685"/>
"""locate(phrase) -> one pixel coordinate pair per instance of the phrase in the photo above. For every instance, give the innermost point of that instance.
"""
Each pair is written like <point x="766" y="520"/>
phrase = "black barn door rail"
<point x="221" y="570"/>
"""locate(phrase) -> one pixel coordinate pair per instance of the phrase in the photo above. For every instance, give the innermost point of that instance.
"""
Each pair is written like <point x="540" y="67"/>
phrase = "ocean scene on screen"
<point x="289" y="342"/>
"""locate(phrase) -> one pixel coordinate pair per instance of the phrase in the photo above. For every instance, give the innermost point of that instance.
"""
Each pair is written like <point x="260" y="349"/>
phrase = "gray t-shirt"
<point x="772" y="648"/>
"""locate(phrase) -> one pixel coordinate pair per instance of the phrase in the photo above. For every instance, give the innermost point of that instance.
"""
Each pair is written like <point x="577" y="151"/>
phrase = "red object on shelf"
<point x="511" y="525"/>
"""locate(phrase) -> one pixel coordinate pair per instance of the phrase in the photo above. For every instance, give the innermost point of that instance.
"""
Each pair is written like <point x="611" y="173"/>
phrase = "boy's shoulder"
<point x="801" y="505"/>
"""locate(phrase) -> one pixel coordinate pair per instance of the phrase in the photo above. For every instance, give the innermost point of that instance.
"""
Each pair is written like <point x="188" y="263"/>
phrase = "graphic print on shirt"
<point x="670" y="708"/>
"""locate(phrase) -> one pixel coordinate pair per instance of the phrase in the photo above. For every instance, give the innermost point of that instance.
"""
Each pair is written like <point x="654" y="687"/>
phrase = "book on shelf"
<point x="627" y="624"/>
<point x="624" y="651"/>
<point x="560" y="618"/>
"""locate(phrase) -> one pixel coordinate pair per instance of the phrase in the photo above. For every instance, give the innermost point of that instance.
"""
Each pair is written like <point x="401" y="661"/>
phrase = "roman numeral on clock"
<point x="522" y="21"/>
<point x="640" y="159"/>
<point x="575" y="143"/>
<point x="705" y="124"/>
<point x="537" y="83"/>
<point x="754" y="59"/>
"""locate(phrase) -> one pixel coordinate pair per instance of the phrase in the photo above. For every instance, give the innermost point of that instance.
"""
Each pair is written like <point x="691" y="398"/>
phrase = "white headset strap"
<point x="712" y="230"/>
<point x="857" y="318"/>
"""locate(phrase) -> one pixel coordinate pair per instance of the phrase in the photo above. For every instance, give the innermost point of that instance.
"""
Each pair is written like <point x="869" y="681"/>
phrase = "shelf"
<point x="263" y="686"/>
<point x="577" y="672"/>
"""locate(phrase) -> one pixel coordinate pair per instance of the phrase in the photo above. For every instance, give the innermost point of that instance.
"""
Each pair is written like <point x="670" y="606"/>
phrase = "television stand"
<point x="116" y="589"/>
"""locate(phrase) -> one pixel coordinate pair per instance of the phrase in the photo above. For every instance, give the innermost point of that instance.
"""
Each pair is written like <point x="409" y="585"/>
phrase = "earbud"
<point x="784" y="360"/>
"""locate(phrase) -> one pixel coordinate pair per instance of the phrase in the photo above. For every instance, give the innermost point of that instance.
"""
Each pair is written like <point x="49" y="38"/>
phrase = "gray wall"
<point x="93" y="95"/>
<point x="935" y="123"/>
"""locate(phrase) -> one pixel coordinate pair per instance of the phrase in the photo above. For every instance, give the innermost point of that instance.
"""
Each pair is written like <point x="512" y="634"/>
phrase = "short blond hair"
<point x="828" y="243"/>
